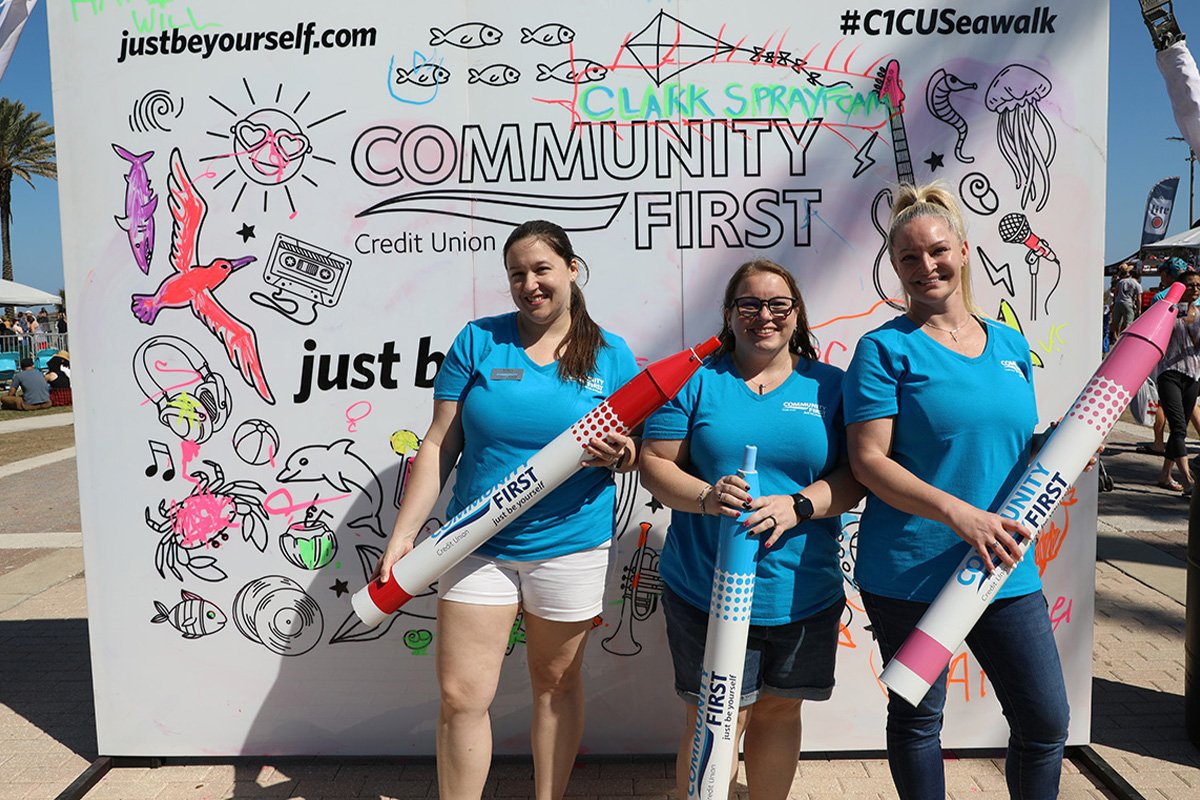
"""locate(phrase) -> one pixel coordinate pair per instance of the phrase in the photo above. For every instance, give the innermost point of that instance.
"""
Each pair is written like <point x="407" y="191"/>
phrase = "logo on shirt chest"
<point x="809" y="409"/>
<point x="507" y="374"/>
<point x="1012" y="366"/>
<point x="595" y="384"/>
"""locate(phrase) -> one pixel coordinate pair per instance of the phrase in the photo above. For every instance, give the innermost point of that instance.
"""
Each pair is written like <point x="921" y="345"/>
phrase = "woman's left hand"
<point x="771" y="515"/>
<point x="613" y="451"/>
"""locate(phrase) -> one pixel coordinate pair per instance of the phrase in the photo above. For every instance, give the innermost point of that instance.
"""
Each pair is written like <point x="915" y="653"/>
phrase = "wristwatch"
<point x="803" y="507"/>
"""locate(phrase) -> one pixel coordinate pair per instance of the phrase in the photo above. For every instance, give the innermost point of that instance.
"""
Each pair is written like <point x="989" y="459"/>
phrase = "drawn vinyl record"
<point x="278" y="614"/>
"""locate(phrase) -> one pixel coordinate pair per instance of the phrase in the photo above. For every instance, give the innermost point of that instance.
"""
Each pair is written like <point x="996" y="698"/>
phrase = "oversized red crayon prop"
<point x="545" y="470"/>
<point x="945" y="625"/>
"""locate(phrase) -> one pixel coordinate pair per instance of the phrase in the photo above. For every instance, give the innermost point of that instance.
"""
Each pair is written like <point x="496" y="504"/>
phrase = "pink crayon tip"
<point x="1174" y="293"/>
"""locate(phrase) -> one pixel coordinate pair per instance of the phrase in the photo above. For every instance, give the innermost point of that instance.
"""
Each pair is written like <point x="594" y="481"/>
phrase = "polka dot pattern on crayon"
<point x="1101" y="403"/>
<point x="732" y="595"/>
<point x="601" y="422"/>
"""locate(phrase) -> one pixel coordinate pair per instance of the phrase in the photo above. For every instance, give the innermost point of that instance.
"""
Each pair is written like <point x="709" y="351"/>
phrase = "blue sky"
<point x="1139" y="120"/>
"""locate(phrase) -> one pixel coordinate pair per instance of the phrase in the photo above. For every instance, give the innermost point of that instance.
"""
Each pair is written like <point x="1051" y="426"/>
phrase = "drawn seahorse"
<point x="937" y="98"/>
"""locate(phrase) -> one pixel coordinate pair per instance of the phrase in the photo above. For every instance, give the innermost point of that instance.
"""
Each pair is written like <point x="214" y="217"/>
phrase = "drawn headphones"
<point x="210" y="404"/>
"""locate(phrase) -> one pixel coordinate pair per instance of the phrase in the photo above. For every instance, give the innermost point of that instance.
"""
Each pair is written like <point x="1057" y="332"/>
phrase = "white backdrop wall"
<point x="371" y="157"/>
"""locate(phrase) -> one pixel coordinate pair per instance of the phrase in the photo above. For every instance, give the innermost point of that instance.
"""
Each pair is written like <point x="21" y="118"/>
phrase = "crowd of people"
<point x="915" y="425"/>
<point x="26" y="333"/>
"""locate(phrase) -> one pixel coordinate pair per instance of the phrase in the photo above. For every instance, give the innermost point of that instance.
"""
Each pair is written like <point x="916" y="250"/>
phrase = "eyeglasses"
<point x="750" y="307"/>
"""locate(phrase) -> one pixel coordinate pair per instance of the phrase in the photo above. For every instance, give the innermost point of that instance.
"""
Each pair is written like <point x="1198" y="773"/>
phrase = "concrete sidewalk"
<point x="47" y="734"/>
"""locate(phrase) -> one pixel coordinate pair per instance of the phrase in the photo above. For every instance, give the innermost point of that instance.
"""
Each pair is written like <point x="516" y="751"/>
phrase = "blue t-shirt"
<point x="510" y="409"/>
<point x="962" y="425"/>
<point x="797" y="429"/>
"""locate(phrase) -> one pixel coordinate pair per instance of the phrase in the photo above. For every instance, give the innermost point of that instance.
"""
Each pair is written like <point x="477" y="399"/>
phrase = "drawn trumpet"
<point x="715" y="743"/>
<point x="945" y="625"/>
<point x="640" y="590"/>
<point x="545" y="470"/>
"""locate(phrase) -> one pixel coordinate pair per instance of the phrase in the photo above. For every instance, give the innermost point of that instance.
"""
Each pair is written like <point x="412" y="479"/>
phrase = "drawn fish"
<point x="469" y="35"/>
<point x="193" y="616"/>
<point x="495" y="75"/>
<point x="580" y="70"/>
<point x="140" y="204"/>
<point x="336" y="465"/>
<point x="423" y="75"/>
<point x="549" y="34"/>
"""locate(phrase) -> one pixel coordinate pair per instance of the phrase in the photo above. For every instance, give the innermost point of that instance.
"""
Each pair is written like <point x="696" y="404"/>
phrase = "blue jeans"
<point x="1014" y="644"/>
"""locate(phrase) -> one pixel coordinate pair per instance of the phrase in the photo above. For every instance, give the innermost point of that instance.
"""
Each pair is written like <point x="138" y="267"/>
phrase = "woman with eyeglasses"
<point x="508" y="385"/>
<point x="766" y="387"/>
<point x="940" y="414"/>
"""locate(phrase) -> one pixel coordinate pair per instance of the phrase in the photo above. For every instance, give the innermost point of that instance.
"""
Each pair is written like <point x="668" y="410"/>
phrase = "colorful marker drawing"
<point x="193" y="616"/>
<point x="193" y="283"/>
<point x="140" y="204"/>
<point x="202" y="519"/>
<point x="336" y="465"/>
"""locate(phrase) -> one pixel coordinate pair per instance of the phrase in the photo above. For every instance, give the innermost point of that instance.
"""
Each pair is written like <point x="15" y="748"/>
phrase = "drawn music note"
<point x="161" y="456"/>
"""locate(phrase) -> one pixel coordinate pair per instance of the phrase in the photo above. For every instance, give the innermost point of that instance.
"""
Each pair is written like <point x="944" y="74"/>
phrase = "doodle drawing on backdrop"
<point x="1025" y="136"/>
<point x="192" y="283"/>
<point x="140" y="205"/>
<point x="937" y="98"/>
<point x="890" y="92"/>
<point x="336" y="465"/>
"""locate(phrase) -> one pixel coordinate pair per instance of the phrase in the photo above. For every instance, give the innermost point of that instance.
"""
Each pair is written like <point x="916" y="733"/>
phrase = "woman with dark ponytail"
<point x="508" y="385"/>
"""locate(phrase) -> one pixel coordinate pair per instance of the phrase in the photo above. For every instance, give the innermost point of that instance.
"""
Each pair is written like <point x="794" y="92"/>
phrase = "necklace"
<point x="950" y="331"/>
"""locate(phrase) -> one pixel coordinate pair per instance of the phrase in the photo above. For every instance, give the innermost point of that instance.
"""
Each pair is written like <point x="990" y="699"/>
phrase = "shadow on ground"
<point x="47" y="673"/>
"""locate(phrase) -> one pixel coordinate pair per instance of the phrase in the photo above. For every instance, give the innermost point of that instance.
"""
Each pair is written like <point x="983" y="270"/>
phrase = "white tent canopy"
<point x="1187" y="240"/>
<point x="18" y="294"/>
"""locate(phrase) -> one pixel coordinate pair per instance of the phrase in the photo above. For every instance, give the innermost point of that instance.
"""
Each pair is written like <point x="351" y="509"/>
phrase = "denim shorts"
<point x="794" y="660"/>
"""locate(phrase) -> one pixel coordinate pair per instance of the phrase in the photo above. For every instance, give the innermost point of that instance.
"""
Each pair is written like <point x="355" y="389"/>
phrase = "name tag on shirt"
<point x="507" y="374"/>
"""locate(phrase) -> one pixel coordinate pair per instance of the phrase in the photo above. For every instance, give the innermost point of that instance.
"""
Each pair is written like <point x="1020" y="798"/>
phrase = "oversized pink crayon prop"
<point x="546" y="469"/>
<point x="946" y="623"/>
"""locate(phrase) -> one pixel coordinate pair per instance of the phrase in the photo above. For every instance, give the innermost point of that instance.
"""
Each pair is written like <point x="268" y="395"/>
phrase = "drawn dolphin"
<point x="140" y="204"/>
<point x="336" y="465"/>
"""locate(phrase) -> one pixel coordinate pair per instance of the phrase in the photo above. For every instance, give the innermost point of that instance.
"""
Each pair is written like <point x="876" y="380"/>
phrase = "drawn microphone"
<point x="714" y="745"/>
<point x="625" y="409"/>
<point x="1014" y="229"/>
<point x="945" y="625"/>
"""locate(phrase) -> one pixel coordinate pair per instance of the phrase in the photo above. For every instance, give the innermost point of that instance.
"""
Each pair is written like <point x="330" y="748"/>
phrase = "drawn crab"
<point x="201" y="520"/>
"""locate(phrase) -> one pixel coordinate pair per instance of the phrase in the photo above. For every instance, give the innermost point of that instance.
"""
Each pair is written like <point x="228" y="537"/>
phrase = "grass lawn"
<point x="7" y="414"/>
<point x="26" y="444"/>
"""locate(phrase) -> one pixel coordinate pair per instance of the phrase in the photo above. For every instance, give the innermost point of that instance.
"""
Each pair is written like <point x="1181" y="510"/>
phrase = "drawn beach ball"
<point x="255" y="442"/>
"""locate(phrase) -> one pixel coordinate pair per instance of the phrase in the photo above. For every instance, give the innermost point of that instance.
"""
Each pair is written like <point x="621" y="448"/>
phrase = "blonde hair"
<point x="932" y="200"/>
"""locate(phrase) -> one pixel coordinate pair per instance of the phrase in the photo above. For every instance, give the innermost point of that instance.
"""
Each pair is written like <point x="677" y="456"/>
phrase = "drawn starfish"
<point x="193" y="283"/>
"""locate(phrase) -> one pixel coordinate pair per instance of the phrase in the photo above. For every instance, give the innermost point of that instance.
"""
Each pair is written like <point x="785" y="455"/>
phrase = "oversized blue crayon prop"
<point x="624" y="410"/>
<point x="946" y="623"/>
<point x="715" y="744"/>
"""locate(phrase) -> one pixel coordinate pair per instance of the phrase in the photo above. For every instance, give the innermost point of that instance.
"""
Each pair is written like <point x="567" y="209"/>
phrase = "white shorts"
<point x="567" y="588"/>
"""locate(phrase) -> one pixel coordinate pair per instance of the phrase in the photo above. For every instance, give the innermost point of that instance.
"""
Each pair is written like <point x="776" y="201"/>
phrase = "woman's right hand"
<point x="990" y="535"/>
<point x="730" y="496"/>
<point x="397" y="548"/>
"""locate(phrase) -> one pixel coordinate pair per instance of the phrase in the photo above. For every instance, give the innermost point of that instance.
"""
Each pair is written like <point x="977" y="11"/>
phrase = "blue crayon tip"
<point x="750" y="459"/>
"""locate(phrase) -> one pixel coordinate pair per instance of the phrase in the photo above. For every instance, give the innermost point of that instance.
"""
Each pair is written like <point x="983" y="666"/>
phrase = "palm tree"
<point x="26" y="150"/>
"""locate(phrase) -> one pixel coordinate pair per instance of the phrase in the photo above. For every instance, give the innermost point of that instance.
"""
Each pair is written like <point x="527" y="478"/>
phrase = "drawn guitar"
<point x="890" y="91"/>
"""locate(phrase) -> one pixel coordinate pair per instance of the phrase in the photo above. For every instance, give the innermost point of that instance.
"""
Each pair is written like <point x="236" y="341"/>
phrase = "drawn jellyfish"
<point x="1023" y="132"/>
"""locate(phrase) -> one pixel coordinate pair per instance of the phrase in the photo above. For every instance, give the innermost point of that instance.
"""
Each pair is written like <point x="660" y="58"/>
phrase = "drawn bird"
<point x="193" y="283"/>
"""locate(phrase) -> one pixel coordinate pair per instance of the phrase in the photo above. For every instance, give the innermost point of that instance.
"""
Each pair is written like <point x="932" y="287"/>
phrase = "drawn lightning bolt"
<point x="863" y="156"/>
<point x="1002" y="275"/>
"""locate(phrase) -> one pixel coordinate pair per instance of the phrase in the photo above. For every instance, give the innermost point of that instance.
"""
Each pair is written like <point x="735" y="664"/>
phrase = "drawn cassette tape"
<point x="306" y="270"/>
